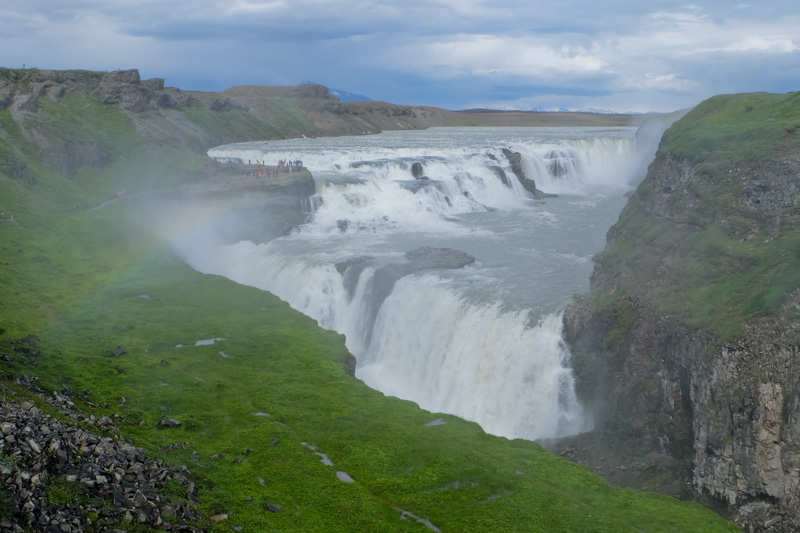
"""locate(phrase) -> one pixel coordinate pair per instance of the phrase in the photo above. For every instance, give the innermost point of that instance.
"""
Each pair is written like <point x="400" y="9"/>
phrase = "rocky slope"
<point x="64" y="475"/>
<point x="687" y="345"/>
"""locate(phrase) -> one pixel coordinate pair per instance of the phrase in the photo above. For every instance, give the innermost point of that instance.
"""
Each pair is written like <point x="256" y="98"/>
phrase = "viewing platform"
<point x="234" y="177"/>
<point x="229" y="175"/>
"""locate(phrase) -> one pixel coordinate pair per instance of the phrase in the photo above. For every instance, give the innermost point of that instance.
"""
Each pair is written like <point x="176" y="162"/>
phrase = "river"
<point x="482" y="342"/>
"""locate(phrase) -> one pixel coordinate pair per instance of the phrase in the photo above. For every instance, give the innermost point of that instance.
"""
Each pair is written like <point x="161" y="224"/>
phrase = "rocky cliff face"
<point x="123" y="88"/>
<point x="687" y="346"/>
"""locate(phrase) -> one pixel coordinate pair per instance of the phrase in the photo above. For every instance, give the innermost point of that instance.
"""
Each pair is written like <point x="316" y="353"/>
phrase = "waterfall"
<point x="458" y="348"/>
<point x="482" y="342"/>
<point x="427" y="342"/>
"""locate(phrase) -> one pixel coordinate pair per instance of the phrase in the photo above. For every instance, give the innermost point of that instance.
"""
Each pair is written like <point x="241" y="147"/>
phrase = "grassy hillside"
<point x="253" y="404"/>
<point x="732" y="129"/>
<point x="716" y="226"/>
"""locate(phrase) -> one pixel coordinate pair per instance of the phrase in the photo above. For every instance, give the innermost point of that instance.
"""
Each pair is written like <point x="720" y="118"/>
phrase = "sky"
<point x="614" y="55"/>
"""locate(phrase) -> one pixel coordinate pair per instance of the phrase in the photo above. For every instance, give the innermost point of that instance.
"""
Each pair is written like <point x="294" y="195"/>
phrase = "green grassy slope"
<point x="717" y="265"/>
<point x="87" y="281"/>
<point x="732" y="129"/>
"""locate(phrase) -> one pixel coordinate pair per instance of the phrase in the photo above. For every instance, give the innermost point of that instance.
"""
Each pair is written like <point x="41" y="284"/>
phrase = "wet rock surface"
<point x="386" y="276"/>
<point x="418" y="259"/>
<point x="515" y="160"/>
<point x="66" y="476"/>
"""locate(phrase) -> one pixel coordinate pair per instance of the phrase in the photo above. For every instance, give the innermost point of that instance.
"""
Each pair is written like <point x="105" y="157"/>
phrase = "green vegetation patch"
<point x="708" y="277"/>
<point x="712" y="261"/>
<point x="288" y="119"/>
<point x="724" y="131"/>
<point x="232" y="126"/>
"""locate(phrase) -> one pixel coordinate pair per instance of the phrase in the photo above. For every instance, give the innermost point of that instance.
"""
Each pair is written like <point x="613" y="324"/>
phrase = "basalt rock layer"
<point x="687" y="346"/>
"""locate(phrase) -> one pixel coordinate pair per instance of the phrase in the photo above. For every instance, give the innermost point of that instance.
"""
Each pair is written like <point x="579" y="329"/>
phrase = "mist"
<point x="481" y="341"/>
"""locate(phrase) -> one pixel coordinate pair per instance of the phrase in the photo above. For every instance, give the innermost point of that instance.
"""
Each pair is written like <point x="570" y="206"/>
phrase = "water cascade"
<point x="480" y="339"/>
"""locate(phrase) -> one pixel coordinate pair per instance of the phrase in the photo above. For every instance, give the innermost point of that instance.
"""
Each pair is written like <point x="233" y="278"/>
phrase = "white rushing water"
<point x="484" y="341"/>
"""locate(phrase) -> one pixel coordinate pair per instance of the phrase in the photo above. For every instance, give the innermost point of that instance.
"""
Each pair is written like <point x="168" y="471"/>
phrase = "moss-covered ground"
<point x="254" y="403"/>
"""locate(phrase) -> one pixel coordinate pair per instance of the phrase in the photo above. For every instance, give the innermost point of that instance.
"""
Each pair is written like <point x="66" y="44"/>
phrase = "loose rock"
<point x="42" y="454"/>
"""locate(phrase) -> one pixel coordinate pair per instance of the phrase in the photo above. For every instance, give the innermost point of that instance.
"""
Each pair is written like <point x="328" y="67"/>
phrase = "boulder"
<point x="416" y="170"/>
<point x="168" y="422"/>
<point x="418" y="259"/>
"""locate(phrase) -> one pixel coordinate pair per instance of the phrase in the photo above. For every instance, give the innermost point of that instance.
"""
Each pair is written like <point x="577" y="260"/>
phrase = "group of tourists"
<point x="282" y="164"/>
<point x="266" y="171"/>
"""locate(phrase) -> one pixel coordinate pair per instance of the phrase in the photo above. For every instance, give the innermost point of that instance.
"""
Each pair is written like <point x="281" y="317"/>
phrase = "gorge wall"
<point x="687" y="345"/>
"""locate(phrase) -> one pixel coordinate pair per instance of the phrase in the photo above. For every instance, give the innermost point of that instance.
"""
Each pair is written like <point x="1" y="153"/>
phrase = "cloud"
<point x="660" y="82"/>
<point x="487" y="55"/>
<point x="757" y="42"/>
<point x="451" y="53"/>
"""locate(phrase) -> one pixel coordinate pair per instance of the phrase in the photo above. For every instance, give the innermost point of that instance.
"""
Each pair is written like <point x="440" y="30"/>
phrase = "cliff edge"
<point x="686" y="347"/>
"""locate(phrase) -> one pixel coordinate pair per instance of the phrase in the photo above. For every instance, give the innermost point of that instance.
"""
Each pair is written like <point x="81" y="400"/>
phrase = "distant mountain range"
<point x="540" y="109"/>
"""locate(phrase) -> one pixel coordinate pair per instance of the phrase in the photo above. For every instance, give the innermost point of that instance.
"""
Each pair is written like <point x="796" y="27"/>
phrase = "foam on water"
<point x="366" y="187"/>
<point x="483" y="342"/>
